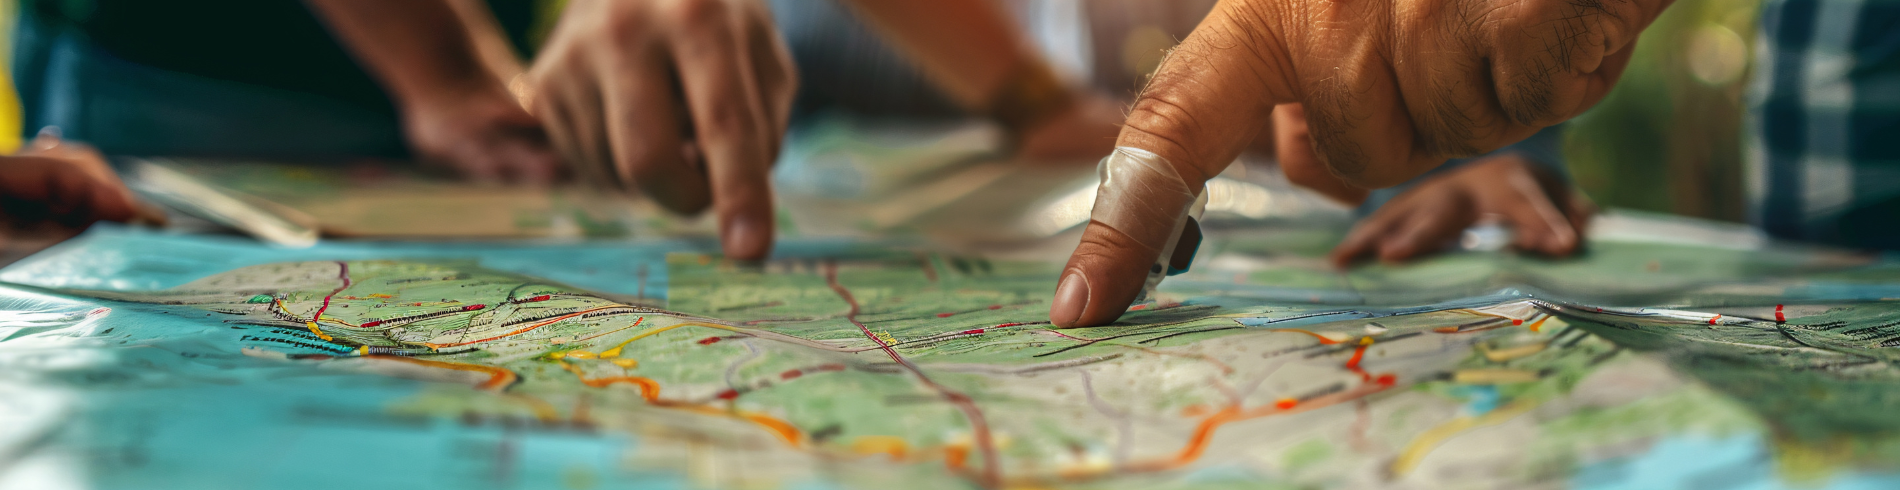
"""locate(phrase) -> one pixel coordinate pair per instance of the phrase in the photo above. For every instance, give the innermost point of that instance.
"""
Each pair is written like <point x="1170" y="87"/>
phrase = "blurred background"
<point x="1667" y="139"/>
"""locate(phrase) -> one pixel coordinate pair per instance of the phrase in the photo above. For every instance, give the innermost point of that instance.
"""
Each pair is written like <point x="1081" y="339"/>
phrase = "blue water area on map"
<point x="1740" y="462"/>
<point x="161" y="400"/>
<point x="168" y="400"/>
<point x="320" y="432"/>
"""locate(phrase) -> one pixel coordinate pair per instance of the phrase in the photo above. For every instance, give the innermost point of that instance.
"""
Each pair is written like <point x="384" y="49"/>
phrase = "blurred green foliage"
<point x="1668" y="138"/>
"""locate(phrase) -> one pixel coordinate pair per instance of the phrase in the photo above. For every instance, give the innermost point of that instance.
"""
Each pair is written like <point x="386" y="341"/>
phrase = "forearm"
<point x="415" y="48"/>
<point x="974" y="52"/>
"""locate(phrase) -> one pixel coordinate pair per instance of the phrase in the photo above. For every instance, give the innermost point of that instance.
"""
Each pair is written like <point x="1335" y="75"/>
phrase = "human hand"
<point x="636" y="92"/>
<point x="1543" y="213"/>
<point x="66" y="183"/>
<point x="482" y="133"/>
<point x="1389" y="89"/>
<point x="444" y="62"/>
<point x="1084" y="131"/>
<point x="1293" y="150"/>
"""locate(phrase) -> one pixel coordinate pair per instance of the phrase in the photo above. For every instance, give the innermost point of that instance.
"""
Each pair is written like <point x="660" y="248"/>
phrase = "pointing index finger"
<point x="1141" y="208"/>
<point x="1205" y="103"/>
<point x="730" y="119"/>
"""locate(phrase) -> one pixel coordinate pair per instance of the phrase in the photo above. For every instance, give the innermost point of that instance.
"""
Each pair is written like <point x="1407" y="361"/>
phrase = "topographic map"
<point x="133" y="359"/>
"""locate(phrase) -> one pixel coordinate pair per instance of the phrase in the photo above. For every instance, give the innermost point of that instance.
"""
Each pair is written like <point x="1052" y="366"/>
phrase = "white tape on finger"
<point x="1143" y="197"/>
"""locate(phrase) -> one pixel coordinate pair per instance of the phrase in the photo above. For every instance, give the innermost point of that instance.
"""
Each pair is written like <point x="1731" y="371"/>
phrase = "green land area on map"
<point x="941" y="372"/>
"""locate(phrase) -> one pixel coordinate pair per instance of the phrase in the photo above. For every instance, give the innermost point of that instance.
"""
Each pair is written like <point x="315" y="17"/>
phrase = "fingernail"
<point x="742" y="237"/>
<point x="47" y="138"/>
<point x="1072" y="296"/>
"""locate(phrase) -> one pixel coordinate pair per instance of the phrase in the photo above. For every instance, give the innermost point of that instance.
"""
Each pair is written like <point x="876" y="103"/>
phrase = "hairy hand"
<point x="640" y="92"/>
<point x="483" y="134"/>
<point x="1389" y="90"/>
<point x="1543" y="214"/>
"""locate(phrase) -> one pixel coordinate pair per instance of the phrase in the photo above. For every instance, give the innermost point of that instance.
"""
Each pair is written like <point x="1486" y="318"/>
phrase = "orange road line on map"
<point x="526" y="329"/>
<point x="956" y="457"/>
<point x="979" y="427"/>
<point x="1323" y="340"/>
<point x="615" y="352"/>
<point x="343" y="272"/>
<point x="650" y="391"/>
<point x="785" y="430"/>
<point x="1359" y="354"/>
<point x="636" y="323"/>
<point x="895" y="447"/>
<point x="498" y="378"/>
<point x="1204" y="433"/>
<point x="312" y="325"/>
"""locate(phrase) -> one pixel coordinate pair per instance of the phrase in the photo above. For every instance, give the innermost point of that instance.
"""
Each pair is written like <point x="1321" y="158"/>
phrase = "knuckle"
<point x="1104" y="243"/>
<point x="727" y="118"/>
<point x="1162" y="113"/>
<point x="1160" y="122"/>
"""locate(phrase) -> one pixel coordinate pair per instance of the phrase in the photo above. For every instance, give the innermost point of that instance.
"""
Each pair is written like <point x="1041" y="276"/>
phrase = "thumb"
<point x="1190" y="122"/>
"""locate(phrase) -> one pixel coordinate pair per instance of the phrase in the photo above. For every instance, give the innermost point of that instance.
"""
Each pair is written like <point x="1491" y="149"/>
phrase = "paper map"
<point x="138" y="360"/>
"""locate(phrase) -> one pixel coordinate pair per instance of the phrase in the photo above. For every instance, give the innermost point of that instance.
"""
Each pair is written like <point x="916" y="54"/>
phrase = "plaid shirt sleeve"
<point x="1824" y="122"/>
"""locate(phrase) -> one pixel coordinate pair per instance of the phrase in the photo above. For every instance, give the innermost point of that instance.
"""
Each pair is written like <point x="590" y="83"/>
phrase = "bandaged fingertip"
<point x="1143" y="197"/>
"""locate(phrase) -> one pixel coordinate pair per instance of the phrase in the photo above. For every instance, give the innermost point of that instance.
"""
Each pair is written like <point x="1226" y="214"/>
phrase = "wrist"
<point x="450" y="91"/>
